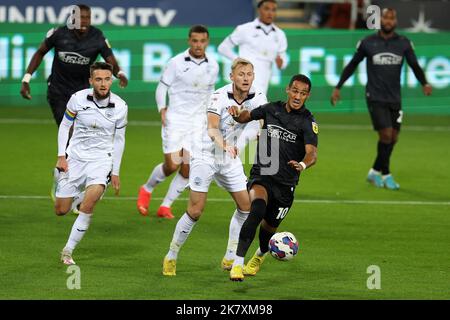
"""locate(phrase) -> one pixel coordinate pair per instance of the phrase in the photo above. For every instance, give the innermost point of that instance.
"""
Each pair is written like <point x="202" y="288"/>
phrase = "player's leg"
<point x="279" y="206"/>
<point x="391" y="139"/>
<point x="200" y="179"/>
<point x="58" y="105"/>
<point x="81" y="224"/>
<point x="381" y="121"/>
<point x="240" y="214"/>
<point x="176" y="188"/>
<point x="259" y="199"/>
<point x="172" y="162"/>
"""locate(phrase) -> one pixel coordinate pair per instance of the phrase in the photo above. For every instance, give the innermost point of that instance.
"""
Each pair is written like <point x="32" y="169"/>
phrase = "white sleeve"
<point x="226" y="49"/>
<point x="63" y="135"/>
<point x="169" y="73"/>
<point x="160" y="95"/>
<point x="250" y="132"/>
<point x="282" y="50"/>
<point x="119" y="146"/>
<point x="215" y="105"/>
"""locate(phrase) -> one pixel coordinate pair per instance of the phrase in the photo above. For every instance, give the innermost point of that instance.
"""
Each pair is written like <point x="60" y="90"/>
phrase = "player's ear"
<point x="231" y="76"/>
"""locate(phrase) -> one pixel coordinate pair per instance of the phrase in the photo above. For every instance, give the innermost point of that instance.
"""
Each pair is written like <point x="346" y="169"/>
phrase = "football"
<point x="283" y="246"/>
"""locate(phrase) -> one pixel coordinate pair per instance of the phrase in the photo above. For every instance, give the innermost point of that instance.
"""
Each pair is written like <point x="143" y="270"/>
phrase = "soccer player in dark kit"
<point x="75" y="51"/>
<point x="286" y="147"/>
<point x="385" y="52"/>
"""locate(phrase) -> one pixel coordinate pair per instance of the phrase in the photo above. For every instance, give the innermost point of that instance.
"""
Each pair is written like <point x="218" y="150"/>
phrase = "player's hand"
<point x="115" y="182"/>
<point x="62" y="164"/>
<point x="295" y="165"/>
<point x="335" y="96"/>
<point x="279" y="62"/>
<point x="232" y="151"/>
<point x="123" y="80"/>
<point x="25" y="91"/>
<point x="427" y="89"/>
<point x="163" y="116"/>
<point x="234" y="111"/>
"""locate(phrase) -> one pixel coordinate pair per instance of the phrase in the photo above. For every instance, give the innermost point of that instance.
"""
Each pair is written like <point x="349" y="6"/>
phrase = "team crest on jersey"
<point x="247" y="104"/>
<point x="315" y="128"/>
<point x="109" y="113"/>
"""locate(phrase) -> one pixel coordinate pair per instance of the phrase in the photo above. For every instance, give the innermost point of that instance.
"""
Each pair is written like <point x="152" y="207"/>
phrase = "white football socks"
<point x="177" y="186"/>
<point x="237" y="220"/>
<point x="181" y="233"/>
<point x="155" y="178"/>
<point x="79" y="228"/>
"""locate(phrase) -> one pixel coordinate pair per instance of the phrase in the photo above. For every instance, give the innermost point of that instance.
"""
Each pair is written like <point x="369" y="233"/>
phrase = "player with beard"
<point x="99" y="118"/>
<point x="385" y="52"/>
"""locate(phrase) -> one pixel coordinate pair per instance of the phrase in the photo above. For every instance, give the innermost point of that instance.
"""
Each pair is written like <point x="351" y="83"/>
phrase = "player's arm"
<point x="216" y="136"/>
<point x="63" y="138"/>
<point x="281" y="59"/>
<point x="309" y="160"/>
<point x="160" y="97"/>
<point x="241" y="116"/>
<point x="411" y="59"/>
<point x="348" y="71"/>
<point x="118" y="73"/>
<point x="35" y="62"/>
<point x="228" y="44"/>
<point x="119" y="147"/>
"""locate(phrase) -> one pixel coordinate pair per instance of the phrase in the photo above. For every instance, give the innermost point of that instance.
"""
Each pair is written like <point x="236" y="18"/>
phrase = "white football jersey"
<point x="191" y="82"/>
<point x="94" y="125"/>
<point x="260" y="44"/>
<point x="221" y="100"/>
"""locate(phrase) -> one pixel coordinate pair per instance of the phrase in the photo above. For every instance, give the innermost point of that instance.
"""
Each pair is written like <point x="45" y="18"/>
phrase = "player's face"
<point x="388" y="21"/>
<point x="85" y="20"/>
<point x="198" y="43"/>
<point x="267" y="12"/>
<point x="101" y="81"/>
<point x="242" y="77"/>
<point x="298" y="93"/>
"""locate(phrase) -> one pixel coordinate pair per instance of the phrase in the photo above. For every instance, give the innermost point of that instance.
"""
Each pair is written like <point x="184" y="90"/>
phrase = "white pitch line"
<point x="137" y="123"/>
<point x="324" y="201"/>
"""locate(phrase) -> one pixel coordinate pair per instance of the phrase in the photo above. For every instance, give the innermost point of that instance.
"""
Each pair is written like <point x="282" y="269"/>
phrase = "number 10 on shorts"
<point x="282" y="212"/>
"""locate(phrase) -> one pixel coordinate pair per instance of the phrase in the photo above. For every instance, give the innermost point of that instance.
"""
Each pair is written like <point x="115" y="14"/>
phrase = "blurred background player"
<point x="94" y="153"/>
<point x="260" y="42"/>
<point x="385" y="51"/>
<point x="189" y="78"/>
<point x="291" y="127"/>
<point x="215" y="156"/>
<point x="75" y="51"/>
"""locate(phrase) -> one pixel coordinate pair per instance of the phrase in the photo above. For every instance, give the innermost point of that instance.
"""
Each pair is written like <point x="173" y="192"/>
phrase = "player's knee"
<point x="184" y="171"/>
<point x="87" y="206"/>
<point x="61" y="209"/>
<point x="170" y="168"/>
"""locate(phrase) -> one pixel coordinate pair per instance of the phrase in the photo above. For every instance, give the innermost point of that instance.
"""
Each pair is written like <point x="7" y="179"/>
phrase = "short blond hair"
<point x="240" y="62"/>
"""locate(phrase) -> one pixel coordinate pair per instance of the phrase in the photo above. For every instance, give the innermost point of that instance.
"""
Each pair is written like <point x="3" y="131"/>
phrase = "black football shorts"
<point x="385" y="115"/>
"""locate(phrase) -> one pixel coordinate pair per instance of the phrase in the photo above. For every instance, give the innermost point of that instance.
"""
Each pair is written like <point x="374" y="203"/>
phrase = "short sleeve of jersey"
<point x="169" y="73"/>
<point x="261" y="99"/>
<point x="72" y="105"/>
<point x="50" y="38"/>
<point x="260" y="112"/>
<point x="310" y="131"/>
<point x="105" y="47"/>
<point x="238" y="36"/>
<point x="215" y="104"/>
<point x="122" y="121"/>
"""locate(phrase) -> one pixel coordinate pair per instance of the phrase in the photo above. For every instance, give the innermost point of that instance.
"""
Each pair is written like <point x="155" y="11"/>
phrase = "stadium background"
<point x="343" y="224"/>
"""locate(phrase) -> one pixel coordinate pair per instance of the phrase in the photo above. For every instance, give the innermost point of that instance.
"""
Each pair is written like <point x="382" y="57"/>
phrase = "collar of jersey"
<point x="263" y="27"/>
<point x="250" y="95"/>
<point x="187" y="57"/>
<point x="90" y="97"/>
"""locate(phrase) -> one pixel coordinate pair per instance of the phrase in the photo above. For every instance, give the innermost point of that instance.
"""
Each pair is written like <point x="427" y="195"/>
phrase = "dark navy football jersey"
<point x="282" y="139"/>
<point x="73" y="57"/>
<point x="384" y="62"/>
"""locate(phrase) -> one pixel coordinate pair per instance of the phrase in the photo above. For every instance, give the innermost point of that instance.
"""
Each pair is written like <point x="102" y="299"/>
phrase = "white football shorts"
<point x="82" y="174"/>
<point x="176" y="137"/>
<point x="230" y="174"/>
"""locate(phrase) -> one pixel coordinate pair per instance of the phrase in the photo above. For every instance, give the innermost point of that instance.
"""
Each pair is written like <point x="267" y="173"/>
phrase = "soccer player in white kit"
<point x="189" y="79"/>
<point x="94" y="154"/>
<point x="259" y="41"/>
<point x="215" y="157"/>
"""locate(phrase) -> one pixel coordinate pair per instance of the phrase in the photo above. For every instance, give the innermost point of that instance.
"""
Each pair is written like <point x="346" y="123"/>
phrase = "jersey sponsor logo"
<point x="386" y="58"/>
<point x="73" y="58"/>
<point x="315" y="127"/>
<point x="278" y="132"/>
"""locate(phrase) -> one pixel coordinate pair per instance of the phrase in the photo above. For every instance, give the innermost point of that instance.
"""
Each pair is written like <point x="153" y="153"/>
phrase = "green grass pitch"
<point x="343" y="224"/>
